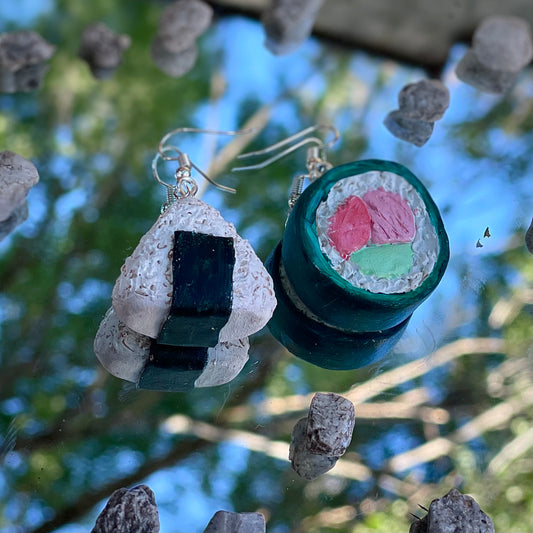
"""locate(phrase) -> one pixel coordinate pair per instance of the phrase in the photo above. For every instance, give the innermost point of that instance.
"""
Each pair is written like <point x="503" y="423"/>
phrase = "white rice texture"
<point x="425" y="244"/>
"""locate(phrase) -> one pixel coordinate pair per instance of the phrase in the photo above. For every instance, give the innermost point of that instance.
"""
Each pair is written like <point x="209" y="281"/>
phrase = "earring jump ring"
<point x="185" y="187"/>
<point x="161" y="155"/>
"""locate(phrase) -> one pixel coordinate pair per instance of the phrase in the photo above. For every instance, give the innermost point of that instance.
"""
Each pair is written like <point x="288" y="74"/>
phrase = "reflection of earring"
<point x="364" y="245"/>
<point x="188" y="297"/>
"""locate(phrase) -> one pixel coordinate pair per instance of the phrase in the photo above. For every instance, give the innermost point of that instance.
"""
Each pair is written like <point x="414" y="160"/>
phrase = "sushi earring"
<point x="188" y="297"/>
<point x="364" y="246"/>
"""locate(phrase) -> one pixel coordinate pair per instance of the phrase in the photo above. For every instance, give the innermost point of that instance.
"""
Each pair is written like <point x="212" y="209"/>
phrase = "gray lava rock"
<point x="23" y="57"/>
<point x="171" y="63"/>
<point x="424" y="100"/>
<point x="306" y="464"/>
<point x="17" y="177"/>
<point x="503" y="43"/>
<point x="419" y="526"/>
<point x="417" y="132"/>
<point x="17" y="217"/>
<point x="330" y="424"/>
<point x="529" y="238"/>
<point x="129" y="511"/>
<point x="474" y="73"/>
<point x="181" y="23"/>
<point x="103" y="49"/>
<point x="29" y="78"/>
<point x="22" y="48"/>
<point x="228" y="522"/>
<point x="288" y="23"/>
<point x="457" y="512"/>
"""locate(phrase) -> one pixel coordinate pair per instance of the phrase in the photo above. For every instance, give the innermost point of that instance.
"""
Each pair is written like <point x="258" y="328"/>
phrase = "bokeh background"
<point x="451" y="406"/>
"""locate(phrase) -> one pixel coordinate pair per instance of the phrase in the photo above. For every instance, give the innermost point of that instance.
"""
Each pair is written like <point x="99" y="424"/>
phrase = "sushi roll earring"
<point x="364" y="246"/>
<point x="189" y="295"/>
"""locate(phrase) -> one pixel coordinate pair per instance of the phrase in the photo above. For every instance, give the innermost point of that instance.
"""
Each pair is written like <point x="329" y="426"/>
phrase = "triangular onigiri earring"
<point x="364" y="246"/>
<point x="189" y="295"/>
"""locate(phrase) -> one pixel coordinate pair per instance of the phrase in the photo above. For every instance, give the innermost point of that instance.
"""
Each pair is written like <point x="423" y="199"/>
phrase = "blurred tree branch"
<point x="511" y="451"/>
<point x="494" y="418"/>
<point x="375" y="386"/>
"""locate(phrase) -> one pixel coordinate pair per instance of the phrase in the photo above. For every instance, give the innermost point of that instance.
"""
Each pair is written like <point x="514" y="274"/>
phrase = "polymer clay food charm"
<point x="186" y="299"/>
<point x="363" y="247"/>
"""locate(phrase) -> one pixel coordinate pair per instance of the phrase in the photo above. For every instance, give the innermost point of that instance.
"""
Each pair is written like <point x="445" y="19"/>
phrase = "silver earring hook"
<point x="185" y="185"/>
<point x="316" y="162"/>
<point x="320" y="145"/>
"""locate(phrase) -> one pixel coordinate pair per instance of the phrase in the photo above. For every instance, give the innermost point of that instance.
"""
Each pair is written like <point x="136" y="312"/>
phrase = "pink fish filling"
<point x="350" y="226"/>
<point x="392" y="218"/>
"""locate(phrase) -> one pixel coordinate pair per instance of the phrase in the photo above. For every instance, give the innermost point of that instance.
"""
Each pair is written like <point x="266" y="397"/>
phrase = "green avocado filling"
<point x="384" y="261"/>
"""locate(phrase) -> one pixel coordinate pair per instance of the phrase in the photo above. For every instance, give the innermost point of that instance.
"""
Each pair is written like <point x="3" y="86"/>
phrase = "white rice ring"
<point x="425" y="244"/>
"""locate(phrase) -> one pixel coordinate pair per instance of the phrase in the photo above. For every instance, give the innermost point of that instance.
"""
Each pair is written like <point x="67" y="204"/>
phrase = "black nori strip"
<point x="202" y="268"/>
<point x="172" y="368"/>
